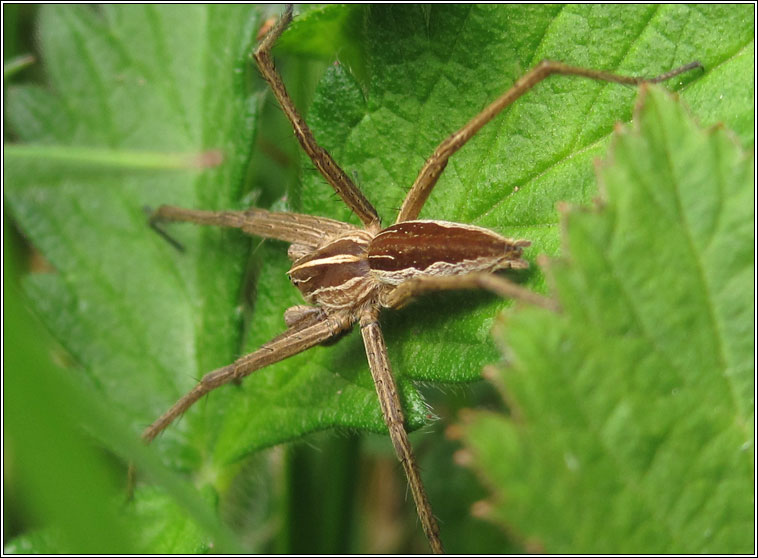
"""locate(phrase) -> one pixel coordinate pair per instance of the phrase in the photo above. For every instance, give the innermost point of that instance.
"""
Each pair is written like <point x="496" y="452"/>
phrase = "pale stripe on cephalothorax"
<point x="331" y="260"/>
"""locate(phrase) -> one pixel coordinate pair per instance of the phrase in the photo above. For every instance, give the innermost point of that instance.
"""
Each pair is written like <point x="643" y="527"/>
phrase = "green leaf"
<point x="165" y="528"/>
<point x="339" y="33"/>
<point x="34" y="542"/>
<point x="131" y="86"/>
<point x="63" y="478"/>
<point x="144" y="321"/>
<point x="632" y="427"/>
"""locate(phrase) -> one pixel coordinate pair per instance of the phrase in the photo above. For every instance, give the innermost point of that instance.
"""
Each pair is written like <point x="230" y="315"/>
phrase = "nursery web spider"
<point x="349" y="274"/>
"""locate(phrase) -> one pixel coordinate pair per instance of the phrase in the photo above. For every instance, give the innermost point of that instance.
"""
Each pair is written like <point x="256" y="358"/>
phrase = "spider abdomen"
<point x="424" y="248"/>
<point x="336" y="275"/>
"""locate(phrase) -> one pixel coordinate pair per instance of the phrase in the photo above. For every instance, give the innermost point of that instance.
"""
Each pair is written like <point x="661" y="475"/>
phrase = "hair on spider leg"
<point x="356" y="177"/>
<point x="347" y="432"/>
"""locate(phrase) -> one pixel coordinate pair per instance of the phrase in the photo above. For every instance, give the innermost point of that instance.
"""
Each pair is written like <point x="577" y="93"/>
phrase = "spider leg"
<point x="296" y="316"/>
<point x="435" y="164"/>
<point x="291" y="342"/>
<point x="155" y="224"/>
<point x="304" y="230"/>
<point x="323" y="161"/>
<point x="386" y="388"/>
<point x="405" y="292"/>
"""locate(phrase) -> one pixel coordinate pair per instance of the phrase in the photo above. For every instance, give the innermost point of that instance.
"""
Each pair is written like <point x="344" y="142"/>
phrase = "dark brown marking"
<point x="420" y="244"/>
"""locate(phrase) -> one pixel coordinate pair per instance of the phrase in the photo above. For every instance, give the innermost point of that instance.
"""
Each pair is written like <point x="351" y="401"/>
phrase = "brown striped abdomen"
<point x="413" y="248"/>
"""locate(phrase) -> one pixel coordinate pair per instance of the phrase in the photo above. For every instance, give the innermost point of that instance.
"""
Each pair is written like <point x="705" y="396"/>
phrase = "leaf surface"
<point x="130" y="84"/>
<point x="632" y="426"/>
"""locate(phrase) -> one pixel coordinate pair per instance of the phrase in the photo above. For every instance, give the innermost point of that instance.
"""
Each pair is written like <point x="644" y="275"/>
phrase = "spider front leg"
<point x="435" y="164"/>
<point x="304" y="231"/>
<point x="305" y="335"/>
<point x="386" y="389"/>
<point x="321" y="158"/>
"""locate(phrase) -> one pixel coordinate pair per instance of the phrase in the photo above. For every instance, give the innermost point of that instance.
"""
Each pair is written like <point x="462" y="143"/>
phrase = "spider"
<point x="349" y="274"/>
